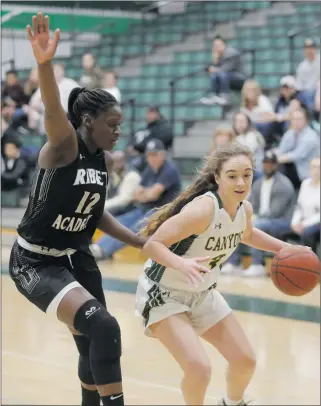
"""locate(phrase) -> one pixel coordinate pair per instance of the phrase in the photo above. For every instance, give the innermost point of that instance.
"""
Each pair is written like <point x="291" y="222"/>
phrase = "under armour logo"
<point x="81" y="156"/>
<point x="218" y="226"/>
<point x="91" y="311"/>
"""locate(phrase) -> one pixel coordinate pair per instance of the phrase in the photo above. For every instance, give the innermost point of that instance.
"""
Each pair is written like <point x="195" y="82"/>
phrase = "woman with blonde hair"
<point x="189" y="239"/>
<point x="246" y="134"/>
<point x="255" y="104"/>
<point x="222" y="136"/>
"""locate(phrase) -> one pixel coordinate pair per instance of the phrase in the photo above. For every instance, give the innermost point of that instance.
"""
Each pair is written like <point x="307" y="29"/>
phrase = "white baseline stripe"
<point x="64" y="366"/>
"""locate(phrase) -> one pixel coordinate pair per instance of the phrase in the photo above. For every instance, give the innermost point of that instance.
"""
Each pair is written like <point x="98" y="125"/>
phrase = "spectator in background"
<point x="110" y="84"/>
<point x="279" y="119"/>
<point x="222" y="136"/>
<point x="160" y="184"/>
<point x="121" y="201"/>
<point x="306" y="217"/>
<point x="247" y="135"/>
<point x="255" y="105"/>
<point x="117" y="173"/>
<point x="157" y="128"/>
<point x="226" y="72"/>
<point x="308" y="72"/>
<point x="31" y="84"/>
<point x="36" y="107"/>
<point x="92" y="76"/>
<point x="298" y="146"/>
<point x="15" y="173"/>
<point x="273" y="201"/>
<point x="14" y="89"/>
<point x="297" y="105"/>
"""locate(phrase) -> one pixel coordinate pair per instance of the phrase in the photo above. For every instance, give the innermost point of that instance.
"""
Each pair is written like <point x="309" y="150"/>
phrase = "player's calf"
<point x="94" y="322"/>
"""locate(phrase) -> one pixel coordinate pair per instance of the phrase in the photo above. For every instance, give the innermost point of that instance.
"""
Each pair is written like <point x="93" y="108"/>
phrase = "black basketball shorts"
<point x="44" y="280"/>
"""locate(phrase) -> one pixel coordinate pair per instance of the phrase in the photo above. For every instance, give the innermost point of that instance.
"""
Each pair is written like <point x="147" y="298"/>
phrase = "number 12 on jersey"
<point x="87" y="203"/>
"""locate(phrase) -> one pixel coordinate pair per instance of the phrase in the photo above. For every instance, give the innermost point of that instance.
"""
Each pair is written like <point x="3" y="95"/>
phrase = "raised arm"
<point x="62" y="146"/>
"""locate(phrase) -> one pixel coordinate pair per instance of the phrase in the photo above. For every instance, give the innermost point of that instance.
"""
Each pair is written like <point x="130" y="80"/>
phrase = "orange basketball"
<point x="295" y="272"/>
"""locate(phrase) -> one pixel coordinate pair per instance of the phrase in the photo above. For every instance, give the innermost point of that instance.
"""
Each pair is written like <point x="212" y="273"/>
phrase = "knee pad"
<point x="82" y="344"/>
<point x="93" y="321"/>
<point x="84" y="370"/>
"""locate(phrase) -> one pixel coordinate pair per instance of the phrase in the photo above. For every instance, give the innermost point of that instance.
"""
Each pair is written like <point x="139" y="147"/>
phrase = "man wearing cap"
<point x="273" y="200"/>
<point x="157" y="128"/>
<point x="160" y="184"/>
<point x="279" y="119"/>
<point x="308" y="72"/>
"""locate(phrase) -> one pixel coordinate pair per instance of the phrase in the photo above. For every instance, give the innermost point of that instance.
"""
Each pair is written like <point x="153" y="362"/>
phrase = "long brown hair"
<point x="205" y="182"/>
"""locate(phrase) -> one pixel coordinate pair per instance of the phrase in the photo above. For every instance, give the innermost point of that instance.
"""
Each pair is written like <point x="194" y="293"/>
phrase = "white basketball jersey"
<point x="218" y="241"/>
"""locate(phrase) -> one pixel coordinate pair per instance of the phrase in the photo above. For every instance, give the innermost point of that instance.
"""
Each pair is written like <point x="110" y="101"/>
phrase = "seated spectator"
<point x="226" y="72"/>
<point x="256" y="105"/>
<point x="297" y="105"/>
<point x="247" y="135"/>
<point x="10" y="121"/>
<point x="160" y="183"/>
<point x="298" y="146"/>
<point x="110" y="85"/>
<point x="124" y="180"/>
<point x="279" y="119"/>
<point x="222" y="136"/>
<point x="117" y="173"/>
<point x="36" y="107"/>
<point x="306" y="217"/>
<point x="273" y="201"/>
<point x="14" y="89"/>
<point x="92" y="76"/>
<point x="15" y="173"/>
<point x="308" y="73"/>
<point x="157" y="128"/>
<point x="31" y="84"/>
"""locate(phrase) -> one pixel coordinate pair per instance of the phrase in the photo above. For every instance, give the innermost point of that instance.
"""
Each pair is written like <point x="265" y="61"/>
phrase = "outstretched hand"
<point x="44" y="48"/>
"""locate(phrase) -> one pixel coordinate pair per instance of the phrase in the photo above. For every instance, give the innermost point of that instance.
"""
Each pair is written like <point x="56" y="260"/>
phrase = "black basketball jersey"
<point x="65" y="204"/>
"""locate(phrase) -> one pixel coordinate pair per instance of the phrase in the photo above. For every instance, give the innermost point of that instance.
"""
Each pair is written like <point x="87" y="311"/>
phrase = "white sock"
<point x="230" y="402"/>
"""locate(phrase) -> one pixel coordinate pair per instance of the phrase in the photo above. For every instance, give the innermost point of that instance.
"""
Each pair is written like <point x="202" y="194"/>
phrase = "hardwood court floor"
<point x="39" y="360"/>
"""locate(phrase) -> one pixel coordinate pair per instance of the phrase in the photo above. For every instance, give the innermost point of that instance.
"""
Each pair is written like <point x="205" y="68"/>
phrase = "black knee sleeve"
<point x="94" y="322"/>
<point x="84" y="370"/>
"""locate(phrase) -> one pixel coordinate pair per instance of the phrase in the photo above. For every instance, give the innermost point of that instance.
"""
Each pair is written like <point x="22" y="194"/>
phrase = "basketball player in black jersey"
<point x="50" y="262"/>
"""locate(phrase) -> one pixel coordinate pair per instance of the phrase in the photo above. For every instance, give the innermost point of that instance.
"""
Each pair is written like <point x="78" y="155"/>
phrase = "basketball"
<point x="295" y="272"/>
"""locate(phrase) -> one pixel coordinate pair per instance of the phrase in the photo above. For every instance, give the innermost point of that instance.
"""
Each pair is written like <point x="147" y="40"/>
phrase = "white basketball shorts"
<point x="155" y="303"/>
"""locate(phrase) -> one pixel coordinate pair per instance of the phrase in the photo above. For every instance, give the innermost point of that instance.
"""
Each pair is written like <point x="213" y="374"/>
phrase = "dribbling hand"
<point x="44" y="48"/>
<point x="191" y="268"/>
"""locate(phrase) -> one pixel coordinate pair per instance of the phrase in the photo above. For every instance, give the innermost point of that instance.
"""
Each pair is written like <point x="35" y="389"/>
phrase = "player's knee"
<point x="199" y="369"/>
<point x="84" y="372"/>
<point x="246" y="362"/>
<point x="94" y="321"/>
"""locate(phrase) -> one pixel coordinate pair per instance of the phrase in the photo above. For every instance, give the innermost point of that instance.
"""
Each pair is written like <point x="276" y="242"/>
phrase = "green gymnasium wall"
<point x="69" y="20"/>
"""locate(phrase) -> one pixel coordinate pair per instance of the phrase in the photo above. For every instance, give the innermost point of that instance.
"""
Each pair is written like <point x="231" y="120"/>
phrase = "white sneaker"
<point x="221" y="100"/>
<point x="208" y="100"/>
<point x="230" y="269"/>
<point x="254" y="270"/>
<point x="243" y="403"/>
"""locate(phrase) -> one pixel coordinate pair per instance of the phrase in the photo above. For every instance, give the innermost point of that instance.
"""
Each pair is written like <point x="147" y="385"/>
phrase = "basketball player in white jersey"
<point x="189" y="240"/>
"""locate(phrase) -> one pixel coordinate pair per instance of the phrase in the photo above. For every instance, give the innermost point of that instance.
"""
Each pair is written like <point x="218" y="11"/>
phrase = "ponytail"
<point x="92" y="101"/>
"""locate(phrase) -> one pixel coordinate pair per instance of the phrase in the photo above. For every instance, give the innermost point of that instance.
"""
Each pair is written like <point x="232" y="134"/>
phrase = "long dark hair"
<point x="205" y="182"/>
